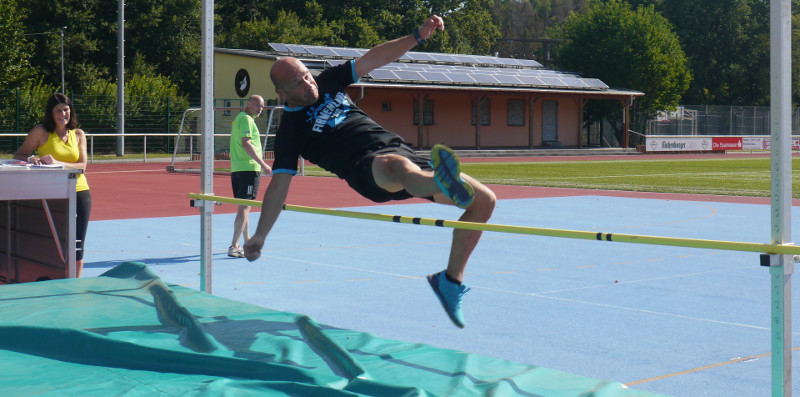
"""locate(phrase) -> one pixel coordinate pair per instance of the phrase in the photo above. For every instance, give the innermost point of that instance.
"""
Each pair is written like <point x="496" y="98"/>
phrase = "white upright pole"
<point x="121" y="78"/>
<point x="207" y="132"/>
<point x="782" y="266"/>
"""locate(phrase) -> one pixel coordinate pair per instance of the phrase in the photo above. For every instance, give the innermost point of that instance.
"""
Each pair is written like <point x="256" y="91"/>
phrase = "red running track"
<point x="147" y="190"/>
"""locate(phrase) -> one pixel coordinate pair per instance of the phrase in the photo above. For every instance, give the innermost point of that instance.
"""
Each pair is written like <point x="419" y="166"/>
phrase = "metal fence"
<point x="151" y="123"/>
<point x="717" y="120"/>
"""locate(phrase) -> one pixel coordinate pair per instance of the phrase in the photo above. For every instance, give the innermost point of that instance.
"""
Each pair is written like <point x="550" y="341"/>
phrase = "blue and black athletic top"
<point x="332" y="133"/>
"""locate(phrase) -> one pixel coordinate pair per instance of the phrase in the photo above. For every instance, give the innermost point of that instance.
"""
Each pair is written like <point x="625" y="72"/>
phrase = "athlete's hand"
<point x="252" y="249"/>
<point x="432" y="24"/>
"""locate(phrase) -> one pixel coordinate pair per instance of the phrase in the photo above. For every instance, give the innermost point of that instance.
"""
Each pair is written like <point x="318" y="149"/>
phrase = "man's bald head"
<point x="293" y="82"/>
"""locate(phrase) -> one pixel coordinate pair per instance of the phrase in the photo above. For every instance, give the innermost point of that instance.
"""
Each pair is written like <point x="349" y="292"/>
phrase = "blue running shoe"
<point x="447" y="173"/>
<point x="449" y="294"/>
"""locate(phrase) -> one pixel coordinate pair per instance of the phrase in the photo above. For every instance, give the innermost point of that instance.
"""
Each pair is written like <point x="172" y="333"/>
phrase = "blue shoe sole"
<point x="447" y="170"/>
<point x="435" y="286"/>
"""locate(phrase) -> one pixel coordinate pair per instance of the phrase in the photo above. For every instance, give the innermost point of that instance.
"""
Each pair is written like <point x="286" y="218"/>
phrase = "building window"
<point x="227" y="112"/>
<point x="427" y="112"/>
<point x="485" y="113"/>
<point x="516" y="112"/>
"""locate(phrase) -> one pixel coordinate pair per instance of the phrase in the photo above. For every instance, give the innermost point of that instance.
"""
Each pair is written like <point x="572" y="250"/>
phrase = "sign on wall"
<point x="242" y="83"/>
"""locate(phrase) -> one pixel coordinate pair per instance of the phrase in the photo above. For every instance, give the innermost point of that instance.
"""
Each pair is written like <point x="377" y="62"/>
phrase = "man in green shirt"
<point x="247" y="163"/>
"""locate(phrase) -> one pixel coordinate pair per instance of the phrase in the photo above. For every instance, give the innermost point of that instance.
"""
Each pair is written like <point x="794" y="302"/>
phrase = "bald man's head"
<point x="294" y="82"/>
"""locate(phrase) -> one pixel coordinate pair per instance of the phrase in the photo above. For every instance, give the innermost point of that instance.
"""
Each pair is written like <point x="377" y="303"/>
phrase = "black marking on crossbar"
<point x="440" y="222"/>
<point x="600" y="237"/>
<point x="396" y="218"/>
<point x="416" y="221"/>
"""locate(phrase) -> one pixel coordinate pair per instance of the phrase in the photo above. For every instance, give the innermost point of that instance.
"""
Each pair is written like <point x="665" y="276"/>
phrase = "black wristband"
<point x="419" y="38"/>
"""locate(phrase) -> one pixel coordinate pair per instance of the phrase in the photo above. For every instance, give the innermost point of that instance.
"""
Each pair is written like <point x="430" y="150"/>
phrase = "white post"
<point x="207" y="133"/>
<point x="782" y="268"/>
<point x="121" y="79"/>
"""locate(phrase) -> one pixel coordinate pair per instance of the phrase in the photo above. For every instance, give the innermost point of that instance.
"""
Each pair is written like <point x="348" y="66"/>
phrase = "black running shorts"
<point x="245" y="184"/>
<point x="360" y="178"/>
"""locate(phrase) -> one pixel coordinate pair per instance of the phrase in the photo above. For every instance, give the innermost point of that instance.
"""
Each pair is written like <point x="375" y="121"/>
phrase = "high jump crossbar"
<point x="538" y="231"/>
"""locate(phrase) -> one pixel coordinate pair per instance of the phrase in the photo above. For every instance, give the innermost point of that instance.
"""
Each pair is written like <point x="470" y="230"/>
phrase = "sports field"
<point x="736" y="175"/>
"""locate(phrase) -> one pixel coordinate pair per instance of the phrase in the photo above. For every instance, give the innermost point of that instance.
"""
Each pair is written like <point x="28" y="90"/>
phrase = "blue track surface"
<point x="677" y="321"/>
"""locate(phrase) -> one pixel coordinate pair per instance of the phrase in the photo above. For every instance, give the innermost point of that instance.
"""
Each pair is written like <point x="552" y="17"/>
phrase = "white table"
<point x="37" y="223"/>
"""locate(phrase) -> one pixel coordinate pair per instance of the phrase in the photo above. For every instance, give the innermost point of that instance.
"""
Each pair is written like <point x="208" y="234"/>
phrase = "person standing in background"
<point x="58" y="140"/>
<point x="247" y="164"/>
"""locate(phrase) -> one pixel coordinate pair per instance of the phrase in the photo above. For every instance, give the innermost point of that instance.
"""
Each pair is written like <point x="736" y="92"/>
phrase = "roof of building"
<point x="438" y="70"/>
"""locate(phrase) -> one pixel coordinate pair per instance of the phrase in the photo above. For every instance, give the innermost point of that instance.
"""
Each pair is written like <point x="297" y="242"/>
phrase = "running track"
<point x="147" y="190"/>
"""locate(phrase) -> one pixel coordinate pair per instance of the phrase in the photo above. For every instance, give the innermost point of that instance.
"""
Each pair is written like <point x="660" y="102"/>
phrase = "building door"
<point x="549" y="122"/>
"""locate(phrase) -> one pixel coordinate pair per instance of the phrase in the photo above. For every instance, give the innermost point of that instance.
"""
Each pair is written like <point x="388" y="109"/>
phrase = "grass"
<point x="724" y="176"/>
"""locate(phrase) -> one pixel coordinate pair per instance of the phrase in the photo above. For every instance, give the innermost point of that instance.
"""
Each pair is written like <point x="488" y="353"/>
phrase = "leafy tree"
<point x="635" y="49"/>
<point x="166" y="34"/>
<point x="469" y="29"/>
<point x="286" y="28"/>
<point x="14" y="53"/>
<point x="86" y="49"/>
<point x="727" y="44"/>
<point x="33" y="97"/>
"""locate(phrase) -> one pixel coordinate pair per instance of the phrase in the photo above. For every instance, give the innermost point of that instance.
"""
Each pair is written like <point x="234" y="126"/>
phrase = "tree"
<point x="727" y="44"/>
<point x="628" y="48"/>
<point x="469" y="29"/>
<point x="14" y="53"/>
<point x="166" y="34"/>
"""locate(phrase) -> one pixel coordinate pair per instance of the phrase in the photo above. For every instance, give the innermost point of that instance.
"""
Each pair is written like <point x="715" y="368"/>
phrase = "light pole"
<point x="62" y="60"/>
<point x="62" y="52"/>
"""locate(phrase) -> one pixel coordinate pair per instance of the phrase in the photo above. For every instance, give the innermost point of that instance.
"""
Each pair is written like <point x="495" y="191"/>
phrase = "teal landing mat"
<point x="129" y="333"/>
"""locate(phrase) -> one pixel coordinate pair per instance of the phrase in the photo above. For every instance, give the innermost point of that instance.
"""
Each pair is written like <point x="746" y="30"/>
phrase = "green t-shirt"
<point x="244" y="126"/>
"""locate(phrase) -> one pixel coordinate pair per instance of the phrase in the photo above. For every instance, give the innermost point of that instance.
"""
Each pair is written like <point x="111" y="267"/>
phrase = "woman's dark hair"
<point x="48" y="123"/>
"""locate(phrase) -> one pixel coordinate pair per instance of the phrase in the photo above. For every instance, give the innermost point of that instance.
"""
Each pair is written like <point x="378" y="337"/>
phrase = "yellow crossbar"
<point x="538" y="231"/>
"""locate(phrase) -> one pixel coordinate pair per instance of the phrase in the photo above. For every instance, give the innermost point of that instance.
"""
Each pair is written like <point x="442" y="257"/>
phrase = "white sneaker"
<point x="235" y="252"/>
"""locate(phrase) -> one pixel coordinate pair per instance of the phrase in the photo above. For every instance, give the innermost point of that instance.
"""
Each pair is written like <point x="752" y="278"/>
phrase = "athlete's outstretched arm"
<point x="271" y="208"/>
<point x="391" y="50"/>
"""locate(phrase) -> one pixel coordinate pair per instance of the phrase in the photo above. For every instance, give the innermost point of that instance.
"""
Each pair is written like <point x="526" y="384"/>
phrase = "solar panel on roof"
<point x="531" y="80"/>
<point x="350" y="52"/>
<point x="324" y="51"/>
<point x="380" y="74"/>
<point x="551" y="81"/>
<point x="420" y="56"/>
<point x="406" y="75"/>
<point x="483" y="78"/>
<point x="460" y="77"/>
<point x="530" y="63"/>
<point x="507" y="79"/>
<point x="443" y="57"/>
<point x="435" y="77"/>
<point x="467" y="59"/>
<point x="595" y="83"/>
<point x="511" y="62"/>
<point x="279" y="47"/>
<point x="297" y="49"/>
<point x="574" y="82"/>
<point x="488" y="60"/>
<point x="454" y="68"/>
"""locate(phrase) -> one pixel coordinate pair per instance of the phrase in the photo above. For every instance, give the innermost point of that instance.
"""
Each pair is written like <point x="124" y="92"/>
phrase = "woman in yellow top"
<point x="57" y="140"/>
